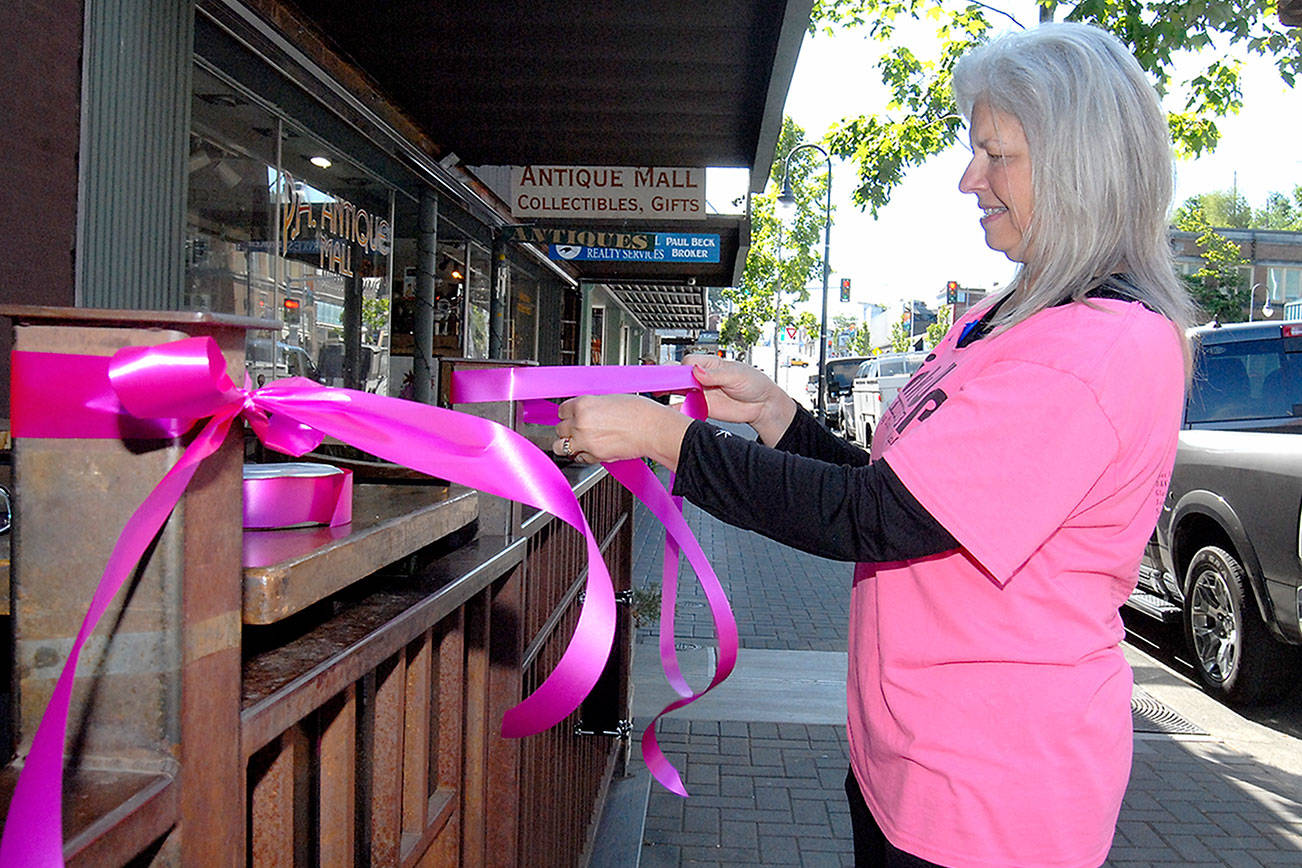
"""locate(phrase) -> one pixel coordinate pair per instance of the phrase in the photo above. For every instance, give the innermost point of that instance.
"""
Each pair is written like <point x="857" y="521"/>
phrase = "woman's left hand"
<point x="599" y="428"/>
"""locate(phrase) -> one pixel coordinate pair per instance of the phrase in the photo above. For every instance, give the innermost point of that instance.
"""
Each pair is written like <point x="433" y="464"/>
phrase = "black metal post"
<point x="821" y="405"/>
<point x="822" y="322"/>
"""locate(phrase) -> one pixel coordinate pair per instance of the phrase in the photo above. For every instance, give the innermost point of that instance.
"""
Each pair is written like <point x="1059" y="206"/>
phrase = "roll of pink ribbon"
<point x="296" y="494"/>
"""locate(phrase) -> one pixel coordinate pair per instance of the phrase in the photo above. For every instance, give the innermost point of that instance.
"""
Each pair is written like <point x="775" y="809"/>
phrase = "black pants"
<point x="871" y="849"/>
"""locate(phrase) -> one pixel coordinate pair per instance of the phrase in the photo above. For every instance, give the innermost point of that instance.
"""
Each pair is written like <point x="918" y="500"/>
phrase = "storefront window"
<point x="450" y="296"/>
<point x="523" y="318"/>
<point x="336" y="241"/>
<point x="478" y="297"/>
<point x="284" y="228"/>
<point x="230" y="238"/>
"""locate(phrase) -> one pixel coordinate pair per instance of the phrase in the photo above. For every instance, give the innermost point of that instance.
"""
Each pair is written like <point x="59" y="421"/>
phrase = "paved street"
<point x="764" y="755"/>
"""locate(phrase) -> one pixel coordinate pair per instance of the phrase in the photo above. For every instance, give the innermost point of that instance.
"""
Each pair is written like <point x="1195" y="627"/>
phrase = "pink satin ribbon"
<point x="167" y="389"/>
<point x="531" y="386"/>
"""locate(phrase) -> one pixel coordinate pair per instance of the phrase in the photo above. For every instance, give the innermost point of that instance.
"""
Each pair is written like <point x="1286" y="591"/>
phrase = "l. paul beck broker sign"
<point x="601" y="245"/>
<point x="604" y="192"/>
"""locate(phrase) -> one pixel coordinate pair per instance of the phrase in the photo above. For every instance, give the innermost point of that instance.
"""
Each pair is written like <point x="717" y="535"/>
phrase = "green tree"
<point x="901" y="340"/>
<point x="782" y="257"/>
<point x="921" y="119"/>
<point x="862" y="343"/>
<point x="375" y="316"/>
<point x="1280" y="212"/>
<point x="1219" y="287"/>
<point x="1225" y="208"/>
<point x="936" y="331"/>
<point x="843" y="333"/>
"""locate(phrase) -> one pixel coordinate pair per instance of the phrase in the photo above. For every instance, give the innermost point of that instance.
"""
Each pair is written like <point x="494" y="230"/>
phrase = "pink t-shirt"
<point x="989" y="701"/>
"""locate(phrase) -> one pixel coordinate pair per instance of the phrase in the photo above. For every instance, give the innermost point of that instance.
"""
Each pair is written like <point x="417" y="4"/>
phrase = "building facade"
<point x="1273" y="271"/>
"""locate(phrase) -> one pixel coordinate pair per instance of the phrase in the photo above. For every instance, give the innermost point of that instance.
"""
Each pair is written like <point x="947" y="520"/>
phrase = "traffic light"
<point x="951" y="292"/>
<point x="845" y="289"/>
<point x="291" y="310"/>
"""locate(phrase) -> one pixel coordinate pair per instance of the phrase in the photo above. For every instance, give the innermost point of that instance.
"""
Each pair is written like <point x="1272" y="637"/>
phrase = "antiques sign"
<point x="618" y="246"/>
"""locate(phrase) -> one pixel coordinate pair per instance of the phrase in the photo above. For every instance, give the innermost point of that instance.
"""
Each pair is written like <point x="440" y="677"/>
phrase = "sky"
<point x="928" y="234"/>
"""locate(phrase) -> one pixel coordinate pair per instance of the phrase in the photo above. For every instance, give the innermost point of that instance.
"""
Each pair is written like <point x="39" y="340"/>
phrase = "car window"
<point x="1245" y="380"/>
<point x="840" y="372"/>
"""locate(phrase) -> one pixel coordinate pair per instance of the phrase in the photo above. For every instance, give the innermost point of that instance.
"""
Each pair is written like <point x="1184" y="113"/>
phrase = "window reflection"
<point x="282" y="227"/>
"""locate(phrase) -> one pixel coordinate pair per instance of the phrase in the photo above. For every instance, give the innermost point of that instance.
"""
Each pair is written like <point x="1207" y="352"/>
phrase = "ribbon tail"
<point x="579" y="668"/>
<point x="638" y="484"/>
<point x="668" y="601"/>
<point x="661" y="768"/>
<point x="639" y="479"/>
<point x="33" y="830"/>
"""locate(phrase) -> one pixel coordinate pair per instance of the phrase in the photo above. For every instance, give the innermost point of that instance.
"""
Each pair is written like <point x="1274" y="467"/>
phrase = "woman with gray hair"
<point x="999" y="522"/>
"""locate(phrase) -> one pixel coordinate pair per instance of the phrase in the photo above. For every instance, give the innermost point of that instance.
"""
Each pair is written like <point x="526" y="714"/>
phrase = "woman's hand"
<point x="741" y="393"/>
<point x="598" y="428"/>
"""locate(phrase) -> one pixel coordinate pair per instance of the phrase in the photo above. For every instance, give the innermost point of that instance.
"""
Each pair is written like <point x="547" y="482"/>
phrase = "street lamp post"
<point x="1266" y="309"/>
<point x="788" y="201"/>
<point x="777" y="304"/>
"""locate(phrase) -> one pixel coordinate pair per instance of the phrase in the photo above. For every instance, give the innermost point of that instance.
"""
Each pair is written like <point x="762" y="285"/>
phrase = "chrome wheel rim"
<point x="1214" y="624"/>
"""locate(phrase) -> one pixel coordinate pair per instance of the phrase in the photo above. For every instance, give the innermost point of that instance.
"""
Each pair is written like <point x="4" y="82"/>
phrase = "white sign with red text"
<point x="608" y="192"/>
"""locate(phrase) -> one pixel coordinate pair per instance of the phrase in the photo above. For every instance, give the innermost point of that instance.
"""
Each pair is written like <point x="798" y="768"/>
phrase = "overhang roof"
<point x="620" y="83"/>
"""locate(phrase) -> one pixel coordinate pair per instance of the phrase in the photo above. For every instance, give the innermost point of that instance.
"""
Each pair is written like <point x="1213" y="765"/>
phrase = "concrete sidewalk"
<point x="764" y="756"/>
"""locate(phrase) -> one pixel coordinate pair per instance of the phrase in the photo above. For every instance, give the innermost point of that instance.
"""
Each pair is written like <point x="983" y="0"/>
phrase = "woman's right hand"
<point x="740" y="393"/>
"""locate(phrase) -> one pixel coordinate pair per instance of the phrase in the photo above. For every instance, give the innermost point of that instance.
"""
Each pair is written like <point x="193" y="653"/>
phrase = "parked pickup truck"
<point x="1226" y="558"/>
<point x="873" y="390"/>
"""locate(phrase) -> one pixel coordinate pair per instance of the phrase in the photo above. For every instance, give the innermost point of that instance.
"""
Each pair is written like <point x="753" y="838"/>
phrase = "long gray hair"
<point x="1101" y="171"/>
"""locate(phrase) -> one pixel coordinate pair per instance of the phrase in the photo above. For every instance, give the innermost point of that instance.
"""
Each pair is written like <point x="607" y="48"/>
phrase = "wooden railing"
<point x="357" y="729"/>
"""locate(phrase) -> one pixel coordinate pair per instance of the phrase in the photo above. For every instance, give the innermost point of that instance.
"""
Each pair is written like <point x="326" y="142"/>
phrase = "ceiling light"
<point x="320" y="162"/>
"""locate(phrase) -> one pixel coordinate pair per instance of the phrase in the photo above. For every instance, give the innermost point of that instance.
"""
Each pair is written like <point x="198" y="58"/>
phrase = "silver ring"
<point x="565" y="447"/>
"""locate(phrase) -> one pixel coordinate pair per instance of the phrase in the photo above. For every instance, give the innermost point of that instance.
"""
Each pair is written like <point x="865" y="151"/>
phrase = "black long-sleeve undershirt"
<point x="812" y="491"/>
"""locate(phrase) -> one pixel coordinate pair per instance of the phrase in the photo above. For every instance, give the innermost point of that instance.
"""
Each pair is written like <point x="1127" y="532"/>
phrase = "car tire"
<point x="1234" y="655"/>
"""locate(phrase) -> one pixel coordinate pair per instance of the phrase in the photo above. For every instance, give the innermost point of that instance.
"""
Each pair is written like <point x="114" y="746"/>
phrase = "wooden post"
<point x="152" y="734"/>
